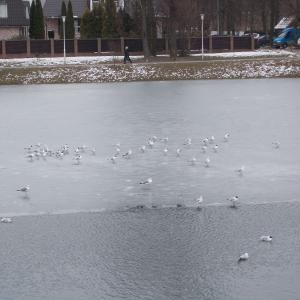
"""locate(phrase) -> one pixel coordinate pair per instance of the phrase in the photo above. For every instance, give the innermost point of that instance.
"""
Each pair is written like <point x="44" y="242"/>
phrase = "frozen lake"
<point x="162" y="253"/>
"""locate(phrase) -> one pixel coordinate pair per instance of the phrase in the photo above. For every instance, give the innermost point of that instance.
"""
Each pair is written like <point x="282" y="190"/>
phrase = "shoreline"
<point x="233" y="68"/>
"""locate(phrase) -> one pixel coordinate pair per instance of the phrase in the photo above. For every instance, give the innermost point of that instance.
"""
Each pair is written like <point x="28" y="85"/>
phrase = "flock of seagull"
<point x="39" y="151"/>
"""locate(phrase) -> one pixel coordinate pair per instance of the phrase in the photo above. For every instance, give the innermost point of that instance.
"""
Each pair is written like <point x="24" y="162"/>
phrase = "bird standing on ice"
<point x="215" y="148"/>
<point x="6" y="220"/>
<point x="24" y="189"/>
<point x="276" y="144"/>
<point x="243" y="257"/>
<point x="199" y="201"/>
<point x="226" y="137"/>
<point x="234" y="200"/>
<point x="207" y="162"/>
<point x="146" y="182"/>
<point x="240" y="170"/>
<point x="178" y="151"/>
<point x="266" y="238"/>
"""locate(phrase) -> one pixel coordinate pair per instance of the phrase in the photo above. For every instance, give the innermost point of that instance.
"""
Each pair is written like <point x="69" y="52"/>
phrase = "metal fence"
<point x="46" y="48"/>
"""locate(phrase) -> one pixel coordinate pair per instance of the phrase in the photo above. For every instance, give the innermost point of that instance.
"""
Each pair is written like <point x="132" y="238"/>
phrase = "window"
<point x="3" y="10"/>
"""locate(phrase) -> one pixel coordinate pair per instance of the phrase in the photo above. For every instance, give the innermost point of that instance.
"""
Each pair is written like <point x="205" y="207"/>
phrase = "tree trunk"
<point x="172" y="30"/>
<point x="144" y="8"/>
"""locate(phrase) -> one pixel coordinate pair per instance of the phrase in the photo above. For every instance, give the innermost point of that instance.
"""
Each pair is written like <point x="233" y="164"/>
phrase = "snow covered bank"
<point x="163" y="71"/>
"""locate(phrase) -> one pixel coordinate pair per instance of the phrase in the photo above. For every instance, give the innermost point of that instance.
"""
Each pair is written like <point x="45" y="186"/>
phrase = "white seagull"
<point x="128" y="154"/>
<point x="234" y="200"/>
<point x="215" y="148"/>
<point x="193" y="161"/>
<point x="266" y="238"/>
<point x="207" y="162"/>
<point x="211" y="139"/>
<point x="199" y="201"/>
<point x="143" y="149"/>
<point x="244" y="256"/>
<point x="6" y="220"/>
<point x="166" y="151"/>
<point x="24" y="189"/>
<point x="150" y="143"/>
<point x="276" y="144"/>
<point x="203" y="148"/>
<point x="188" y="142"/>
<point x="146" y="182"/>
<point x="226" y="137"/>
<point x="240" y="170"/>
<point x="178" y="151"/>
<point x="205" y="141"/>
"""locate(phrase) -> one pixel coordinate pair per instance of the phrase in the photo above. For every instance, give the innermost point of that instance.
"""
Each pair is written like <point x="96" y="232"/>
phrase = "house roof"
<point x="52" y="8"/>
<point x="16" y="13"/>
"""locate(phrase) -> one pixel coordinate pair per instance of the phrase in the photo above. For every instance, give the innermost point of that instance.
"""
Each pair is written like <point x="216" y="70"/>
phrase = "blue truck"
<point x="287" y="37"/>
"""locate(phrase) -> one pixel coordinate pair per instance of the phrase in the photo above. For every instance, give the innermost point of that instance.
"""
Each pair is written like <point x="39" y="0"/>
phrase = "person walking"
<point x="126" y="55"/>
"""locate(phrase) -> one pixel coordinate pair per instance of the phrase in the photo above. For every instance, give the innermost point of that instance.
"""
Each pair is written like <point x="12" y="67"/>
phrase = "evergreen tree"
<point x="98" y="14"/>
<point x="63" y="12"/>
<point x="70" y="30"/>
<point x="87" y="25"/>
<point x="32" y="21"/>
<point x="110" y="27"/>
<point x="39" y="28"/>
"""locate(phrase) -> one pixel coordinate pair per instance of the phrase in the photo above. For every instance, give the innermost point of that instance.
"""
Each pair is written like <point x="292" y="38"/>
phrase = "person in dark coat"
<point x="126" y="55"/>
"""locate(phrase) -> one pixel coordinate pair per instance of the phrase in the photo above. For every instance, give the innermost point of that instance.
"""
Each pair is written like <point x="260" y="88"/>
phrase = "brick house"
<point x="14" y="19"/>
<point x="52" y="15"/>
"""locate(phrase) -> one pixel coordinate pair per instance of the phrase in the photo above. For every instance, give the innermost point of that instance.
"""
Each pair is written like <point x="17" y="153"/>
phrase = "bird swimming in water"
<point x="243" y="257"/>
<point x="266" y="238"/>
<point x="148" y="181"/>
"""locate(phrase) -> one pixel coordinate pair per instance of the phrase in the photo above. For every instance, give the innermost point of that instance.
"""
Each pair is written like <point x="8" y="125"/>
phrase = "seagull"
<point x="199" y="201"/>
<point x="165" y="140"/>
<point x="148" y="181"/>
<point x="193" y="161"/>
<point x="244" y="256"/>
<point x="215" y="148"/>
<point x="178" y="151"/>
<point x="30" y="156"/>
<point x="211" y="139"/>
<point x="241" y="170"/>
<point x="233" y="201"/>
<point x="207" y="162"/>
<point x="128" y="154"/>
<point x="78" y="159"/>
<point x="6" y="220"/>
<point x="143" y="148"/>
<point x="203" y="148"/>
<point x="24" y="189"/>
<point x="113" y="159"/>
<point x="150" y="143"/>
<point x="276" y="144"/>
<point x="118" y="150"/>
<point x="266" y="238"/>
<point x="166" y="151"/>
<point x="205" y="141"/>
<point x="188" y="142"/>
<point x="226" y="137"/>
<point x="154" y="138"/>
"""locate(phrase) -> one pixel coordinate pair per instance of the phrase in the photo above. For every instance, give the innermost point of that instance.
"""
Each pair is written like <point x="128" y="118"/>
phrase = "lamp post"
<point x="64" y="33"/>
<point x="202" y="19"/>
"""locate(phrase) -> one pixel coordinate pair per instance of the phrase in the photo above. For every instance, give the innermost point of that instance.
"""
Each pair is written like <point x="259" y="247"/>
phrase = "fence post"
<point x="210" y="44"/>
<point x="166" y="45"/>
<point x="252" y="43"/>
<point x="75" y="47"/>
<point x="28" y="48"/>
<point x="3" y="49"/>
<point x="231" y="43"/>
<point x="99" y="46"/>
<point x="52" y="47"/>
<point x="122" y="45"/>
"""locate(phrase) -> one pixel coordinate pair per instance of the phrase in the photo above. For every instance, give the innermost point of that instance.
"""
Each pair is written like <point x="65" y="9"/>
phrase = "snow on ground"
<point x="90" y="60"/>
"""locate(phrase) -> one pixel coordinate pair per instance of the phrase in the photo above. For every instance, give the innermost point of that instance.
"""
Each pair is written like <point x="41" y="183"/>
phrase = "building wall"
<point x="8" y="33"/>
<point x="52" y="24"/>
